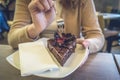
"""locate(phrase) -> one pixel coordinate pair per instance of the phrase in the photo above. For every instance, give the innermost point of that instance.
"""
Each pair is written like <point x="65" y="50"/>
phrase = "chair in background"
<point x="8" y="8"/>
<point x="110" y="35"/>
<point x="114" y="24"/>
<point x="108" y="10"/>
<point x="3" y="25"/>
<point x="6" y="16"/>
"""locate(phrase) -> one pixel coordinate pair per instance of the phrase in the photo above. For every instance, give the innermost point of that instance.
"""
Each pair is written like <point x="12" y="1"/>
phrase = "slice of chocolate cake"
<point x="62" y="46"/>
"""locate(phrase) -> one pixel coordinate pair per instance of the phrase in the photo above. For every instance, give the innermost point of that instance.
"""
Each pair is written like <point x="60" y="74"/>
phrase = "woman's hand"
<point x="43" y="14"/>
<point x="84" y="42"/>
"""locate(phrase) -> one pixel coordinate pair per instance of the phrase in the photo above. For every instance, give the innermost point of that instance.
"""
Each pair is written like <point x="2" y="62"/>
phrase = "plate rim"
<point x="43" y="39"/>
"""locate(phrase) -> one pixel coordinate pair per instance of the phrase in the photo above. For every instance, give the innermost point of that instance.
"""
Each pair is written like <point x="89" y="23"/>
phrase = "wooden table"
<point x="99" y="66"/>
<point x="117" y="61"/>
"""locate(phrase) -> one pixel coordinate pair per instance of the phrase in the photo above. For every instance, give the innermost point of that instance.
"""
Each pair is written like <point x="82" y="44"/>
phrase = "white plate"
<point x="76" y="60"/>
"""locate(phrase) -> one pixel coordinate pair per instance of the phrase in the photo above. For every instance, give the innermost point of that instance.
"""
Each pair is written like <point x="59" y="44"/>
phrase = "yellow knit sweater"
<point x="87" y="24"/>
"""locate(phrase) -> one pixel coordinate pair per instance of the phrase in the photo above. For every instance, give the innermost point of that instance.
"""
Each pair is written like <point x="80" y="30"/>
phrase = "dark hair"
<point x="69" y="3"/>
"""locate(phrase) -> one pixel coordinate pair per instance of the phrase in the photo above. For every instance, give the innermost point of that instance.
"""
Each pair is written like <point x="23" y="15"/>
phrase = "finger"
<point x="51" y="13"/>
<point x="85" y="44"/>
<point x="45" y="4"/>
<point x="36" y="4"/>
<point x="79" y="40"/>
<point x="50" y="3"/>
<point x="54" y="9"/>
<point x="40" y="6"/>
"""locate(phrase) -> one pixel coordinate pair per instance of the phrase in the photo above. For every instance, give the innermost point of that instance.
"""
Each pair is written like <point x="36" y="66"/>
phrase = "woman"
<point x="32" y="17"/>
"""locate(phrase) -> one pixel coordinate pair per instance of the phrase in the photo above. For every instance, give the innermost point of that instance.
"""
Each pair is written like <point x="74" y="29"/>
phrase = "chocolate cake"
<point x="62" y="46"/>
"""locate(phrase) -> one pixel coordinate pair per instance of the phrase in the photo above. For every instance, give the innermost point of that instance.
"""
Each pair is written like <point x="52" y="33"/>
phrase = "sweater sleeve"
<point x="18" y="31"/>
<point x="91" y="28"/>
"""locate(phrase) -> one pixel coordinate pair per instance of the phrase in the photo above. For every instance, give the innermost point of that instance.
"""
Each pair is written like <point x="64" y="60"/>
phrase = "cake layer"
<point x="61" y="53"/>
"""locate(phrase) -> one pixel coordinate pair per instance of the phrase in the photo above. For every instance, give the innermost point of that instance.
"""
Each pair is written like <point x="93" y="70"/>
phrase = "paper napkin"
<point x="34" y="58"/>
